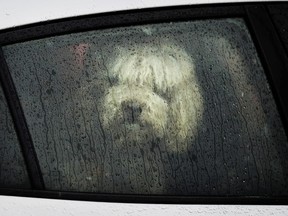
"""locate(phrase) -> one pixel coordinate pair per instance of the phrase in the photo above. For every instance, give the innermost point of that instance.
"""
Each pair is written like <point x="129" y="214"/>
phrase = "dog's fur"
<point x="159" y="84"/>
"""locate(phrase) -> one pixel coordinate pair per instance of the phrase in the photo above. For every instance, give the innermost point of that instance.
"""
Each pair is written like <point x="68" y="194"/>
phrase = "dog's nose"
<point x="131" y="112"/>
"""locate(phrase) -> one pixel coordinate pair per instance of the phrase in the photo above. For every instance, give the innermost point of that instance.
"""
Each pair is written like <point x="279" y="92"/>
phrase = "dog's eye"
<point x="113" y="80"/>
<point x="164" y="95"/>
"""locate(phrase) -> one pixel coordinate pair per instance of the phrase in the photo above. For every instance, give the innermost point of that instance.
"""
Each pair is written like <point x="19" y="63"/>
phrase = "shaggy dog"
<point x="144" y="108"/>
<point x="154" y="95"/>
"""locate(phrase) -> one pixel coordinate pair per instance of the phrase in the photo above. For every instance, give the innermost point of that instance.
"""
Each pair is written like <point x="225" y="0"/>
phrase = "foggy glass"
<point x="13" y="173"/>
<point x="178" y="108"/>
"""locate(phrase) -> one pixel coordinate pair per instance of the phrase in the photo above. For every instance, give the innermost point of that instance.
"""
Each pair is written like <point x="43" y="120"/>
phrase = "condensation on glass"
<point x="178" y="108"/>
<point x="13" y="173"/>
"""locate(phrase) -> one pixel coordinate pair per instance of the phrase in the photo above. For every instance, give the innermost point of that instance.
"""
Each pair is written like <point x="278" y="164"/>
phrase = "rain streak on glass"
<point x="13" y="172"/>
<point x="175" y="108"/>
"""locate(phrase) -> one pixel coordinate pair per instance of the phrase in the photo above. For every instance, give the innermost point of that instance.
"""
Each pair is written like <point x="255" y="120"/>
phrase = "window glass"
<point x="178" y="108"/>
<point x="279" y="15"/>
<point x="13" y="173"/>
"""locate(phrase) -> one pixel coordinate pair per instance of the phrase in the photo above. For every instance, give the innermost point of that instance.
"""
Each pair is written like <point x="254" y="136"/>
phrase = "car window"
<point x="178" y="108"/>
<point x="13" y="172"/>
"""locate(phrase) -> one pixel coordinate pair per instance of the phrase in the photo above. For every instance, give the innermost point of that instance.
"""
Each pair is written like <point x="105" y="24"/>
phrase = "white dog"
<point x="156" y="96"/>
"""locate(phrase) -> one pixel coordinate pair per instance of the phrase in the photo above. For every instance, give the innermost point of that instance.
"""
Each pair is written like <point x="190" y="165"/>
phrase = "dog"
<point x="144" y="110"/>
<point x="154" y="95"/>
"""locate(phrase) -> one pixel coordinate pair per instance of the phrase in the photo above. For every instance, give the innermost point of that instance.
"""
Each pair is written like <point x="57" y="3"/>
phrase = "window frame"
<point x="269" y="47"/>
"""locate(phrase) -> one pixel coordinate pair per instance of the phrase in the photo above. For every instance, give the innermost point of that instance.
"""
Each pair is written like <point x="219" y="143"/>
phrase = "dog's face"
<point x="154" y="94"/>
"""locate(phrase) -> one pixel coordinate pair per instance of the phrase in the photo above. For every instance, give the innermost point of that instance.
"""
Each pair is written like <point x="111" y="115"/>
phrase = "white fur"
<point x="161" y="79"/>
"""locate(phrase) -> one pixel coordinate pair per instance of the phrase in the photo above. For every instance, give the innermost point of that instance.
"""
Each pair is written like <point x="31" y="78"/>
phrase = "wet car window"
<point x="178" y="108"/>
<point x="13" y="172"/>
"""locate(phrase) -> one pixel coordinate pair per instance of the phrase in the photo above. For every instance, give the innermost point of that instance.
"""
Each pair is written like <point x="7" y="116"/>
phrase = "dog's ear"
<point x="186" y="110"/>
